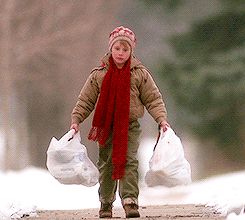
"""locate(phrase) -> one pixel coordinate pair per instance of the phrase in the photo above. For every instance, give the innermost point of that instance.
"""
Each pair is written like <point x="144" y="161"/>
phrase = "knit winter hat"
<point x="122" y="33"/>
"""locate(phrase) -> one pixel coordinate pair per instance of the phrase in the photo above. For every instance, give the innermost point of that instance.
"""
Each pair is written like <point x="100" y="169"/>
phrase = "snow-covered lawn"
<point x="34" y="188"/>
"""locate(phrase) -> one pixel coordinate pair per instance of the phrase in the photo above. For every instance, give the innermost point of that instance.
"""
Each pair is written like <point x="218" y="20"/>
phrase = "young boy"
<point x="123" y="87"/>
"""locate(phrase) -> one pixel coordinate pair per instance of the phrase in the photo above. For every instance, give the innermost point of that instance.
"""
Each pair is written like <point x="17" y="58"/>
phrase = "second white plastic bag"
<point x="68" y="161"/>
<point x="168" y="165"/>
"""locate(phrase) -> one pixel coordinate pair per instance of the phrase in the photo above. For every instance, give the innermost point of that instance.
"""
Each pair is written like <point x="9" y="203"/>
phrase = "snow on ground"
<point x="33" y="188"/>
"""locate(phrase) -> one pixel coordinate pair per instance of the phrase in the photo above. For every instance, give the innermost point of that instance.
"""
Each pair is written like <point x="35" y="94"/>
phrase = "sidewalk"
<point x="165" y="212"/>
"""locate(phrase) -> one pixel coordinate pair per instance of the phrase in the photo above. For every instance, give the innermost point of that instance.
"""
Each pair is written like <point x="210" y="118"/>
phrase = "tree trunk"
<point x="7" y="90"/>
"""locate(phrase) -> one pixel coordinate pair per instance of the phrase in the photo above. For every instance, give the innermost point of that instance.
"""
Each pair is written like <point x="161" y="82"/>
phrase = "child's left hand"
<point x="164" y="125"/>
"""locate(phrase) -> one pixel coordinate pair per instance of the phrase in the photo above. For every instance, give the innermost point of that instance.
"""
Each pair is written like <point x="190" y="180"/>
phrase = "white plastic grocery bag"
<point x="68" y="161"/>
<point x="168" y="165"/>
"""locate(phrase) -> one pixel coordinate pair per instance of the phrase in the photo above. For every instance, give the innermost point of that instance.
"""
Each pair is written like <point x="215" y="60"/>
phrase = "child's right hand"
<point x="75" y="127"/>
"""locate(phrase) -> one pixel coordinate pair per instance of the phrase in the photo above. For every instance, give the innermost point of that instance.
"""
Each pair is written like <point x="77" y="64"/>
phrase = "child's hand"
<point x="164" y="125"/>
<point x="75" y="127"/>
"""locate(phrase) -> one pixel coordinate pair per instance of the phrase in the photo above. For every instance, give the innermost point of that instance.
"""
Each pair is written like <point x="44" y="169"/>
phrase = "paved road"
<point x="166" y="212"/>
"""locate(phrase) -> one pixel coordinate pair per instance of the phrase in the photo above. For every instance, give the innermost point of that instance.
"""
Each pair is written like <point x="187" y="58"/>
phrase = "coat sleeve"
<point x="152" y="98"/>
<point x="86" y="99"/>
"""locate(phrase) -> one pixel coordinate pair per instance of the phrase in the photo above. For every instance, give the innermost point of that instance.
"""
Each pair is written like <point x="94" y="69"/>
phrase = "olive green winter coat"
<point x="143" y="93"/>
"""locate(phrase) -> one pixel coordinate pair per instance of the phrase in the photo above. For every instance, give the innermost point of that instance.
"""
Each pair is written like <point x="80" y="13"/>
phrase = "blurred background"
<point x="194" y="48"/>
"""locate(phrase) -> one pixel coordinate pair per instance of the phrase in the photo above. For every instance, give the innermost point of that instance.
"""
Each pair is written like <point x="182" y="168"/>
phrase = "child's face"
<point x="121" y="52"/>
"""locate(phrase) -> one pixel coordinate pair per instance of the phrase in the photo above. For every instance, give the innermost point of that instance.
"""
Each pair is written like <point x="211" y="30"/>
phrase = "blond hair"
<point x="125" y="44"/>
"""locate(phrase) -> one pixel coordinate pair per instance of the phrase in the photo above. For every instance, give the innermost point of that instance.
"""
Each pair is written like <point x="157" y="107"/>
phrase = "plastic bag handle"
<point x="71" y="134"/>
<point x="67" y="137"/>
<point x="76" y="135"/>
<point x="161" y="133"/>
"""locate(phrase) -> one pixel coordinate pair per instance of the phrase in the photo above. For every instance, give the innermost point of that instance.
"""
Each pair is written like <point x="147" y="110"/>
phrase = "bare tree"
<point x="49" y="49"/>
<point x="8" y="92"/>
<point x="6" y="86"/>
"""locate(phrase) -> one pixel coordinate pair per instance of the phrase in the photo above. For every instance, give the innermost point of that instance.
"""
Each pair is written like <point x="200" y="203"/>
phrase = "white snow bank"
<point x="234" y="216"/>
<point x="32" y="188"/>
<point x="16" y="211"/>
<point x="225" y="192"/>
<point x="37" y="187"/>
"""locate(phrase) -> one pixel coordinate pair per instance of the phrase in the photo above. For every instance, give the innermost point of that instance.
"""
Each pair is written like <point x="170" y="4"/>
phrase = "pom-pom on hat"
<point x="122" y="33"/>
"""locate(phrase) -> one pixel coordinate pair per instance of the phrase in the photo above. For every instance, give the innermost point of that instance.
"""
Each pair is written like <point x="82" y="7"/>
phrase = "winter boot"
<point x="131" y="210"/>
<point x="105" y="210"/>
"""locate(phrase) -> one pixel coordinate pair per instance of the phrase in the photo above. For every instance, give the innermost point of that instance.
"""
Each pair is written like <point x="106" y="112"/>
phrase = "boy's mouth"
<point x="120" y="58"/>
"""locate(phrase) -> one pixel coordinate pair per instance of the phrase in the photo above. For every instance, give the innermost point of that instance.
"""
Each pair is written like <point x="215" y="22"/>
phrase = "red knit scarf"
<point x="112" y="115"/>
